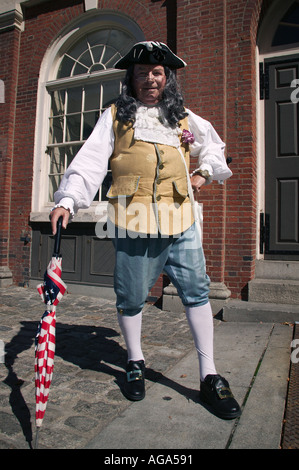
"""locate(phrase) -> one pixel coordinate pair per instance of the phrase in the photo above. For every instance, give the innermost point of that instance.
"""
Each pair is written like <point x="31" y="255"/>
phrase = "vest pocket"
<point x="123" y="186"/>
<point x="181" y="187"/>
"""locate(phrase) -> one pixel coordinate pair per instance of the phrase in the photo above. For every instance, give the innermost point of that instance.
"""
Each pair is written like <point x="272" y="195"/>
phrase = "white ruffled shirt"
<point x="88" y="169"/>
<point x="151" y="126"/>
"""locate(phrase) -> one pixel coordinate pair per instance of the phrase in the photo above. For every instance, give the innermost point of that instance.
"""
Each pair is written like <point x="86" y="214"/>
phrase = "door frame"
<point x="260" y="128"/>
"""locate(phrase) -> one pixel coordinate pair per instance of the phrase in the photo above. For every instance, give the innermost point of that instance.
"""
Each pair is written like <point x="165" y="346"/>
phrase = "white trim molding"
<point x="12" y="19"/>
<point x="90" y="4"/>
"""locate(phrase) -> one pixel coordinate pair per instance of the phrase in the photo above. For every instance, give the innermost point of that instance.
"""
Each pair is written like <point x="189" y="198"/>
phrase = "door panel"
<point x="282" y="160"/>
<point x="86" y="259"/>
<point x="99" y="260"/>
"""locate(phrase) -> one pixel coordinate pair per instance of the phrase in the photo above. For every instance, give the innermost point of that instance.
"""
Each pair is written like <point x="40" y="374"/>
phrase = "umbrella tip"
<point x="36" y="437"/>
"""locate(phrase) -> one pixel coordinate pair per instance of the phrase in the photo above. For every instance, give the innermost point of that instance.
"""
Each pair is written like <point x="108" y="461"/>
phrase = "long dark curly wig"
<point x="172" y="100"/>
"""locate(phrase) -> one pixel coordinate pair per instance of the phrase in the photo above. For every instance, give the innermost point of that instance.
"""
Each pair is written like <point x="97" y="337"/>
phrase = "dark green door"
<point x="282" y="158"/>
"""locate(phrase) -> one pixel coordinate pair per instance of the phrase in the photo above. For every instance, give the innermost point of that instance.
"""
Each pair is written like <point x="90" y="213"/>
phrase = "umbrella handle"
<point x="58" y="238"/>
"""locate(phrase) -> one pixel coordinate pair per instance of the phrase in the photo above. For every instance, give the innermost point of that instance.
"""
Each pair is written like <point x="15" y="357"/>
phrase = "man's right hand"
<point x="55" y="214"/>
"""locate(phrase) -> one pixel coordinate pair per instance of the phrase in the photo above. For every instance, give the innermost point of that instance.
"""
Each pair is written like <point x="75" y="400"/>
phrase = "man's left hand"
<point x="197" y="182"/>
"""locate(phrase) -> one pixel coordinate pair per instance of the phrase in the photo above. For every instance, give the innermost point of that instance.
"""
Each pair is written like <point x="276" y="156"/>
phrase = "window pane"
<point x="288" y="29"/>
<point x="78" y="48"/>
<point x="71" y="152"/>
<point x="60" y="159"/>
<point x="110" y="55"/>
<point x="292" y="15"/>
<point x="58" y="99"/>
<point x="54" y="184"/>
<point x="97" y="52"/>
<point x="286" y="34"/>
<point x="65" y="69"/>
<point x="99" y="37"/>
<point x="57" y="160"/>
<point x="74" y="100"/>
<point x="111" y="91"/>
<point x="92" y="97"/>
<point x="106" y="185"/>
<point x="86" y="59"/>
<point x="104" y="46"/>
<point x="89" y="121"/>
<point x="96" y="68"/>
<point x="120" y="41"/>
<point x="73" y="128"/>
<point x="56" y="130"/>
<point x="79" y="69"/>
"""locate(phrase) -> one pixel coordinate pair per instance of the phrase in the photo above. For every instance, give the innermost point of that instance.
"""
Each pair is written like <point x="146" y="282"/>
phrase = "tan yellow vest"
<point x="149" y="191"/>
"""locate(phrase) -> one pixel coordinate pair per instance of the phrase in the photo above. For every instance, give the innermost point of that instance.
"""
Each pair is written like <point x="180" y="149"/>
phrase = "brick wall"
<point x="42" y="24"/>
<point x="241" y="206"/>
<point x="9" y="53"/>
<point x="217" y="40"/>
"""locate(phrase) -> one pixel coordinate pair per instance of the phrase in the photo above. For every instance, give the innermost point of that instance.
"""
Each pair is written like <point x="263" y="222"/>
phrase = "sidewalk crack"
<point x="249" y="388"/>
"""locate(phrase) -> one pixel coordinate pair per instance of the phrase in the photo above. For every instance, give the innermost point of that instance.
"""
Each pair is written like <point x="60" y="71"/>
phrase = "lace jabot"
<point x="151" y="126"/>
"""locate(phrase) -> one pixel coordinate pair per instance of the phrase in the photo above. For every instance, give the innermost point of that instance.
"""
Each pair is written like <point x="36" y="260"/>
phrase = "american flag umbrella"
<point x="51" y="291"/>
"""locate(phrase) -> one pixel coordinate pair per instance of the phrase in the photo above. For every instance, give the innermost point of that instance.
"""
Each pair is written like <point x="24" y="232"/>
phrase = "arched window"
<point x="279" y="29"/>
<point x="288" y="29"/>
<point x="86" y="84"/>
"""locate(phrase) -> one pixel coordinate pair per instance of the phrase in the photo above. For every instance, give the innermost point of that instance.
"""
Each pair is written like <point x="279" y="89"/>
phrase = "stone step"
<point x="286" y="270"/>
<point x="241" y="311"/>
<point x="274" y="291"/>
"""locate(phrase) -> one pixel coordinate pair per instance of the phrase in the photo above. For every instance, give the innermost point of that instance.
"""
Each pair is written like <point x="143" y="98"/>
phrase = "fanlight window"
<point x="288" y="28"/>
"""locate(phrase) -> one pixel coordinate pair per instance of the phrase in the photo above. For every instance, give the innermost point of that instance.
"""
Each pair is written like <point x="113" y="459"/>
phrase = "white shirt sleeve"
<point x="208" y="147"/>
<point x="88" y="169"/>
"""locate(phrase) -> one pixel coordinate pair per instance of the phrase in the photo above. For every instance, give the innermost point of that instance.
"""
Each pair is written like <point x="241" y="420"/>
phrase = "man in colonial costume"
<point x="147" y="137"/>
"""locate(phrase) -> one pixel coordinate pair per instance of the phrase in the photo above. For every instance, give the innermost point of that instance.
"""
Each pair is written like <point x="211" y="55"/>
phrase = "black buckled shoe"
<point x="216" y="393"/>
<point x="134" y="388"/>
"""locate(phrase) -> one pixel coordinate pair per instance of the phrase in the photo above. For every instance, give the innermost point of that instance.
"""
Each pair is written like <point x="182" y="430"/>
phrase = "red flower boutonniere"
<point x="187" y="137"/>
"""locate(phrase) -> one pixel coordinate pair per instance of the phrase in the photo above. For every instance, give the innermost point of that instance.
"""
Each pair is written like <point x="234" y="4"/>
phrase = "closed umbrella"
<point x="51" y="292"/>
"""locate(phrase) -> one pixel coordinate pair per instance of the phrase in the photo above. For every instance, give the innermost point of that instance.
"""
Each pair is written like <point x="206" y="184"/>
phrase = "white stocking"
<point x="201" y="325"/>
<point x="131" y="330"/>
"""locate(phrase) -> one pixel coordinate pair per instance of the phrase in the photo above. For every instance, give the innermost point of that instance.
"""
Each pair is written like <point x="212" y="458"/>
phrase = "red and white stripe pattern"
<point x="44" y="363"/>
<point x="51" y="291"/>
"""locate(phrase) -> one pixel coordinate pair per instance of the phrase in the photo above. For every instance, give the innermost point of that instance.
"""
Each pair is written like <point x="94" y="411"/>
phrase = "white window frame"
<point x="89" y="22"/>
<point x="63" y="84"/>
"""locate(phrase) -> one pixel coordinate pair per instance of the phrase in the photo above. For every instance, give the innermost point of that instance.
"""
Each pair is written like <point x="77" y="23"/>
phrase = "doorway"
<point x="281" y="218"/>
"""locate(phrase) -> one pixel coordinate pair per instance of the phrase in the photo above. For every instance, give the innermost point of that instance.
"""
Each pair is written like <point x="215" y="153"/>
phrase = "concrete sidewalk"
<point x="86" y="408"/>
<point x="255" y="360"/>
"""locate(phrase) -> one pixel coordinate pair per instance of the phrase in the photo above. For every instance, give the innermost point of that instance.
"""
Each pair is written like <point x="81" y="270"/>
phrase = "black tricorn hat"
<point x="150" y="52"/>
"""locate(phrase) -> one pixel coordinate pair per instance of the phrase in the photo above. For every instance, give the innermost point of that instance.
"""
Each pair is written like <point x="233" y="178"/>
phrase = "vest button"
<point x="158" y="198"/>
<point x="158" y="181"/>
<point x="161" y="166"/>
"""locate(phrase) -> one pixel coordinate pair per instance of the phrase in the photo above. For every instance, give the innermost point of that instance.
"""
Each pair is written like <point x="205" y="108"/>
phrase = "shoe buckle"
<point x="224" y="392"/>
<point x="133" y="375"/>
